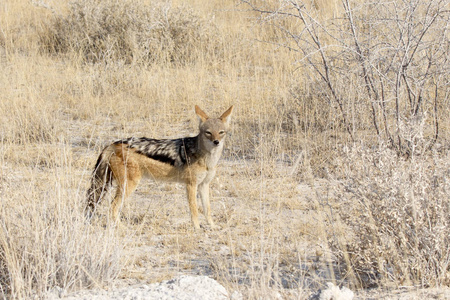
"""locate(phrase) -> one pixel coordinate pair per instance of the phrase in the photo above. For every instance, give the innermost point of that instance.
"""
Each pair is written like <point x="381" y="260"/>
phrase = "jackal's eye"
<point x="222" y="132"/>
<point x="208" y="133"/>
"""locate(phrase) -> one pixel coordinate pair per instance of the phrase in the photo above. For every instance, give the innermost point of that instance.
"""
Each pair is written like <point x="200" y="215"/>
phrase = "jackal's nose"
<point x="216" y="142"/>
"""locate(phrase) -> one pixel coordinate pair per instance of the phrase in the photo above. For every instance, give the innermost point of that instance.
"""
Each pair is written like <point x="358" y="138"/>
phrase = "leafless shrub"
<point x="128" y="31"/>
<point x="379" y="64"/>
<point x="383" y="69"/>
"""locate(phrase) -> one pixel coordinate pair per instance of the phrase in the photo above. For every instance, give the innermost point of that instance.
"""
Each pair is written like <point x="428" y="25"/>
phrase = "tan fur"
<point x="127" y="166"/>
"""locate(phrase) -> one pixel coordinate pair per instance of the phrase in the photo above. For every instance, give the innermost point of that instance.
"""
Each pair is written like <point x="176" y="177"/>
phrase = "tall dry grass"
<point x="77" y="76"/>
<point x="45" y="242"/>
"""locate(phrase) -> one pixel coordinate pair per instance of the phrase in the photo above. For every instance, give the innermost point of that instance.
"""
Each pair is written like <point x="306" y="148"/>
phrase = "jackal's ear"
<point x="226" y="116"/>
<point x="203" y="116"/>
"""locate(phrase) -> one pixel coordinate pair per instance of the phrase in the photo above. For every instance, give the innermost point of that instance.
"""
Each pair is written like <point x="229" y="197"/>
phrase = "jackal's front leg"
<point x="203" y="190"/>
<point x="192" y="199"/>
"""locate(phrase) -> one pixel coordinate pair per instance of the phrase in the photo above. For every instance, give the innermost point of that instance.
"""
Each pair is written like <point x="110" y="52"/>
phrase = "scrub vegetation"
<point x="336" y="168"/>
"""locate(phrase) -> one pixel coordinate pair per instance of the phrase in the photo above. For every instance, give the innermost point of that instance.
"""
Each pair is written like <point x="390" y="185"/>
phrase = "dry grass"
<point x="296" y="208"/>
<point x="398" y="214"/>
<point x="130" y="32"/>
<point x="45" y="242"/>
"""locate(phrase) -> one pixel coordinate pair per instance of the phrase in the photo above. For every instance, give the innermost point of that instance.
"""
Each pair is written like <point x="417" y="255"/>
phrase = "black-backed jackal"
<point x="191" y="160"/>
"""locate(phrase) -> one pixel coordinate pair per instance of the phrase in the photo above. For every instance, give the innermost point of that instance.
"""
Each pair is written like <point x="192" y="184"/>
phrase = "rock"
<point x="333" y="292"/>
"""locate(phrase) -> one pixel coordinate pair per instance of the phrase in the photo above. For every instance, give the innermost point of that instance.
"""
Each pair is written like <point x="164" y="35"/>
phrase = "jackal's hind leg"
<point x="127" y="177"/>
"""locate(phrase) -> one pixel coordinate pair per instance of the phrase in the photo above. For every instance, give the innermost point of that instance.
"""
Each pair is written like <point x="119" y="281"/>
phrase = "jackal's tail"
<point x="101" y="180"/>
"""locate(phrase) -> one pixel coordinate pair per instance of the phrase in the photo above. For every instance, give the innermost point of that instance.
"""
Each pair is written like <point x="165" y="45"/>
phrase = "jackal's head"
<point x="213" y="130"/>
